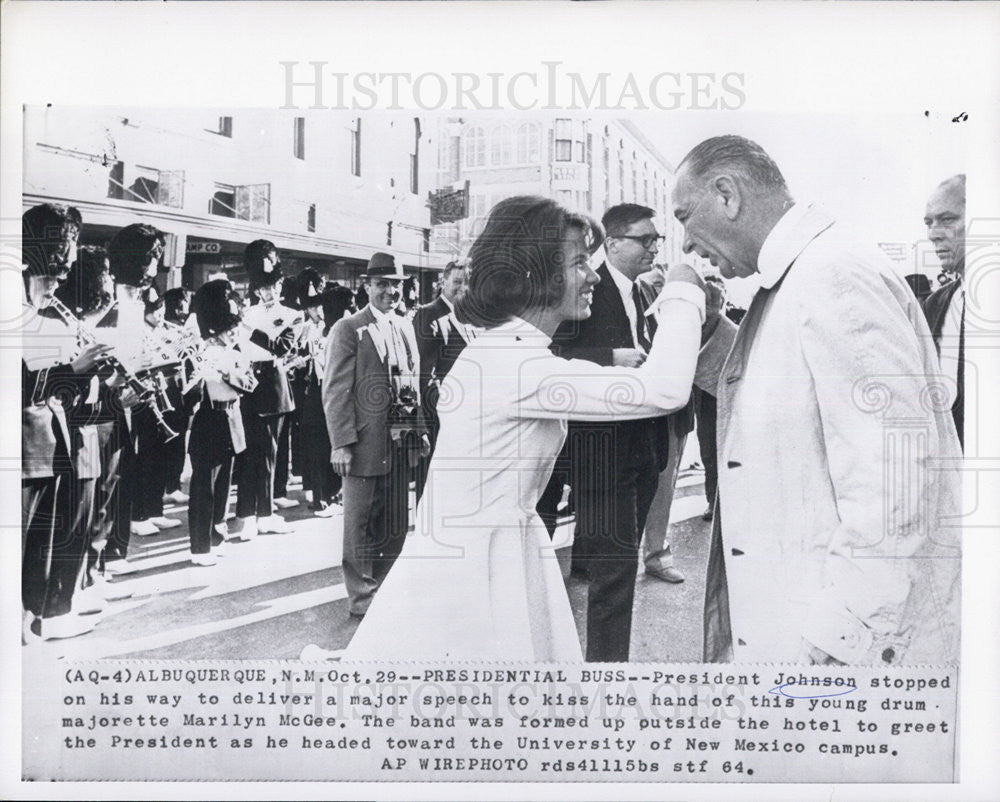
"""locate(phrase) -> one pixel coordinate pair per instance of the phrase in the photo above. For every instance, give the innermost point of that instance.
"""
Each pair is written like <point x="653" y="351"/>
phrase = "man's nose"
<point x="687" y="246"/>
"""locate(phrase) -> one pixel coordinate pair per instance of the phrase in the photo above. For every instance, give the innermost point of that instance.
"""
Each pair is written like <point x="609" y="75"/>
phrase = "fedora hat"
<point x="383" y="265"/>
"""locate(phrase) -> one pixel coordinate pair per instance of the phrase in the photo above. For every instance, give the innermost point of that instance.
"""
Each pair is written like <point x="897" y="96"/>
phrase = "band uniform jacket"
<point x="273" y="394"/>
<point x="936" y="307"/>
<point x="49" y="387"/>
<point x="358" y="395"/>
<point x="838" y="466"/>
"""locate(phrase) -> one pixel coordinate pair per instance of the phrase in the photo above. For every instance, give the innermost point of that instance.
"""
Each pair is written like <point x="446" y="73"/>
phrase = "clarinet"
<point x="146" y="394"/>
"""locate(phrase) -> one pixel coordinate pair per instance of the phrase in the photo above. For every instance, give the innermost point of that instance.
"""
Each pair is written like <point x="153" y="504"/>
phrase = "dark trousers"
<point x="174" y="452"/>
<point x="282" y="456"/>
<point x="613" y="487"/>
<point x="210" y="481"/>
<point x="57" y="519"/>
<point x="705" y="416"/>
<point x="150" y="467"/>
<point x="115" y="490"/>
<point x="255" y="466"/>
<point x="314" y="446"/>
<point x="375" y="524"/>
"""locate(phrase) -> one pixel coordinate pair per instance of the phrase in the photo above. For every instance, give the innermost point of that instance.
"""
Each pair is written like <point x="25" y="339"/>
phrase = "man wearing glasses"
<point x="614" y="467"/>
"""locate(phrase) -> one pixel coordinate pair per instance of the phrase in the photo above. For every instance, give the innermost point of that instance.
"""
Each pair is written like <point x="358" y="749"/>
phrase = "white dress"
<point x="477" y="579"/>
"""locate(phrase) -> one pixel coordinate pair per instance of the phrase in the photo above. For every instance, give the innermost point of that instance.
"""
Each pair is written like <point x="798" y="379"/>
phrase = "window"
<point x="475" y="148"/>
<point x="607" y="176"/>
<point x="415" y="159"/>
<point x="299" y="137"/>
<point x="356" y="148"/>
<point x="427" y="240"/>
<point x="225" y="127"/>
<point x="635" y="184"/>
<point x="527" y="143"/>
<point x="149" y="185"/>
<point x="145" y="185"/>
<point x="621" y="179"/>
<point x="501" y="146"/>
<point x="223" y="203"/>
<point x="311" y="218"/>
<point x="579" y="140"/>
<point x="250" y="202"/>
<point x="564" y="140"/>
<point x="116" y="181"/>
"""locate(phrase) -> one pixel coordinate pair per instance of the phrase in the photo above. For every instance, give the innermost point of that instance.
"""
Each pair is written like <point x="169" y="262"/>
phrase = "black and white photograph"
<point x="582" y="400"/>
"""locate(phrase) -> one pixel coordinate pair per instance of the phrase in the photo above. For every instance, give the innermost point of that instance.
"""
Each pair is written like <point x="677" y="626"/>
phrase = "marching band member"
<point x="177" y="309"/>
<point x="318" y="476"/>
<point x="134" y="254"/>
<point x="55" y="492"/>
<point x="274" y="331"/>
<point x="151" y="451"/>
<point x="87" y="295"/>
<point x="289" y="447"/>
<point x="217" y="433"/>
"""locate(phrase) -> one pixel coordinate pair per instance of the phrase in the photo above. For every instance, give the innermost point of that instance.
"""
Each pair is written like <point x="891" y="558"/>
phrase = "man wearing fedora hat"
<point x="371" y="403"/>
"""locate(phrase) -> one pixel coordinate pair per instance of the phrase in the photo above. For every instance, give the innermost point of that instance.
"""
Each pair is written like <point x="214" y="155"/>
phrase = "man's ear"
<point x="729" y="196"/>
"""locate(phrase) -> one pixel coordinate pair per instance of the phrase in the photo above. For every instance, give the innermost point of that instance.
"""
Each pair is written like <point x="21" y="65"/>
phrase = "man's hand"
<point x="129" y="398"/>
<point x="89" y="357"/>
<point x="685" y="274"/>
<point x="627" y="357"/>
<point x="340" y="459"/>
<point x="714" y="300"/>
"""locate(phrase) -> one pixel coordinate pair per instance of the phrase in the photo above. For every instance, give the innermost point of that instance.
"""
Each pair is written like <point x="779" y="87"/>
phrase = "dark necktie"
<point x="641" y="336"/>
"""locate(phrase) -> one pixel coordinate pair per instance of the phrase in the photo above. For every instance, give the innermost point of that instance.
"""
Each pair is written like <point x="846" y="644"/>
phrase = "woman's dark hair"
<point x="84" y="290"/>
<point x="517" y="262"/>
<point x="47" y="231"/>
<point x="337" y="299"/>
<point x="177" y="301"/>
<point x="130" y="251"/>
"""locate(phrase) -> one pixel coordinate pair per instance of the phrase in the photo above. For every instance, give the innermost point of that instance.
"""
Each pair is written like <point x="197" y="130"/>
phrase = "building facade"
<point x="327" y="188"/>
<point x="587" y="164"/>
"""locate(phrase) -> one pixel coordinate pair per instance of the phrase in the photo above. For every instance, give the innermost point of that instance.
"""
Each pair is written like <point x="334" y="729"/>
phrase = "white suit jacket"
<point x="838" y="465"/>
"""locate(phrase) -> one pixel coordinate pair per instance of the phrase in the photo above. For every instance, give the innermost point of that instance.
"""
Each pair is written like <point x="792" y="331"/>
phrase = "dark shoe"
<point x="707" y="514"/>
<point x="671" y="575"/>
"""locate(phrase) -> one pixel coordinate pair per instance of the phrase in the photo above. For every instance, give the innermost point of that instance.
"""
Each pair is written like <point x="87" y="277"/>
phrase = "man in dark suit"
<point x="371" y="403"/>
<point x="441" y="337"/>
<point x="614" y="467"/>
<point x="945" y="307"/>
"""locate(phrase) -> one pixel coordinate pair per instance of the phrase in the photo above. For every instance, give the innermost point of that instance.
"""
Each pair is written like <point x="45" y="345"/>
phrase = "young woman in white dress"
<point x="478" y="578"/>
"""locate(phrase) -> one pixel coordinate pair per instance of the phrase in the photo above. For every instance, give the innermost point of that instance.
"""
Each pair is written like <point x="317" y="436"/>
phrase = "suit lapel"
<point x="611" y="300"/>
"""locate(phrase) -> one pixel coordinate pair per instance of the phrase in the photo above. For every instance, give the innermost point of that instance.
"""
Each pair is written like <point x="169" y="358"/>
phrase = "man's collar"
<point x="379" y="316"/>
<point x="622" y="282"/>
<point x="799" y="226"/>
<point x="449" y="304"/>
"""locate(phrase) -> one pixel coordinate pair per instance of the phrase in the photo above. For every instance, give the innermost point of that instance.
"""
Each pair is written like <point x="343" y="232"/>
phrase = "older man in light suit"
<point x="838" y="460"/>
<point x="371" y="403"/>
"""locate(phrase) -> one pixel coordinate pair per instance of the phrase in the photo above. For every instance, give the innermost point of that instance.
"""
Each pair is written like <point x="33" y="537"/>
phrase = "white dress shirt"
<point x="624" y="285"/>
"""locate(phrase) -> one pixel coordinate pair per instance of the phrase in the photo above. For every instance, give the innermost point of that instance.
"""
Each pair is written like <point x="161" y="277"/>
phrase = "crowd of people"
<point x="533" y="384"/>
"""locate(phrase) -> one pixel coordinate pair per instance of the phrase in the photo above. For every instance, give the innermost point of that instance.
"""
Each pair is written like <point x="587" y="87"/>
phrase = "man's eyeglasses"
<point x="646" y="240"/>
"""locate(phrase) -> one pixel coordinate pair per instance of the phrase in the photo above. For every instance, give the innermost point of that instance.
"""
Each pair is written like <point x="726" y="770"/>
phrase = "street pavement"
<point x="270" y="597"/>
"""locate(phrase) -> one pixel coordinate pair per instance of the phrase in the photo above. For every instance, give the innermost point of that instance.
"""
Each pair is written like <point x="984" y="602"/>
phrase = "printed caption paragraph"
<point x="130" y="720"/>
